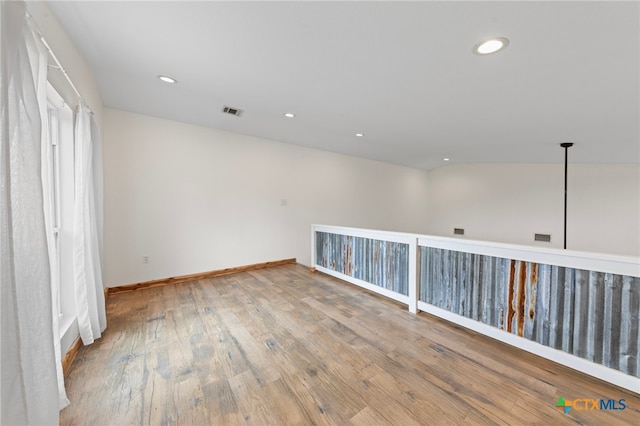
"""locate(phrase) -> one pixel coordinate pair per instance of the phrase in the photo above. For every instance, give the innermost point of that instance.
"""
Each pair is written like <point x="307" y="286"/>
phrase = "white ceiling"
<point x="402" y="73"/>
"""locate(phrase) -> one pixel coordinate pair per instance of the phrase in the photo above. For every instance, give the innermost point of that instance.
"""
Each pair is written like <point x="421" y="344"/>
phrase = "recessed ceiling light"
<point x="167" y="79"/>
<point x="359" y="135"/>
<point x="445" y="159"/>
<point x="289" y="115"/>
<point x="492" y="45"/>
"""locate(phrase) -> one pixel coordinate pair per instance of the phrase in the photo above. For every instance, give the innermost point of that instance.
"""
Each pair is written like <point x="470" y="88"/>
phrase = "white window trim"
<point x="62" y="140"/>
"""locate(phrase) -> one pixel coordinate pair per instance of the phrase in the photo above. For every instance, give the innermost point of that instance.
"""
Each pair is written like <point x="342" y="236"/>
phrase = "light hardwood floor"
<point x="288" y="346"/>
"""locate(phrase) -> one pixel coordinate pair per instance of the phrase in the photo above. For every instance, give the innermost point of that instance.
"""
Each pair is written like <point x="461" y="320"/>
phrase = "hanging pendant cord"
<point x="566" y="146"/>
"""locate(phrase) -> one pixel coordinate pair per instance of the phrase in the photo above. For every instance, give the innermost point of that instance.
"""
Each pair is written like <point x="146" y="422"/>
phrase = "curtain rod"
<point x="57" y="61"/>
<point x="59" y="66"/>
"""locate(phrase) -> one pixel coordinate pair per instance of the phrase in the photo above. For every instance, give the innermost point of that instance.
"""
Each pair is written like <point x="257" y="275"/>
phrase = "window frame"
<point x="62" y="192"/>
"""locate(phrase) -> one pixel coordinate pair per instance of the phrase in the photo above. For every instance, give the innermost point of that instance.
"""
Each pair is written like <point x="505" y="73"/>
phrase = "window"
<point x="61" y="194"/>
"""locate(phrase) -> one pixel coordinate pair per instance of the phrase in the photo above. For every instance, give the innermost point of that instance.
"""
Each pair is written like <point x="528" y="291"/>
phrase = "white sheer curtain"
<point x="87" y="268"/>
<point x="29" y="387"/>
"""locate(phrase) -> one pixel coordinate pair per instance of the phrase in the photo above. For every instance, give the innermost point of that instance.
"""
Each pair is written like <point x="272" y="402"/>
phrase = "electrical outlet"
<point x="283" y="202"/>
<point x="145" y="259"/>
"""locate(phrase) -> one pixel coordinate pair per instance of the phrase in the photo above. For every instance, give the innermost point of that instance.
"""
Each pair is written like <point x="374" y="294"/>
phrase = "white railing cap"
<point x="600" y="262"/>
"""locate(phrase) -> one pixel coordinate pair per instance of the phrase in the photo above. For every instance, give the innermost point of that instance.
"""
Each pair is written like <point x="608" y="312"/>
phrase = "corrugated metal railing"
<point x="592" y="315"/>
<point x="578" y="309"/>
<point x="381" y="263"/>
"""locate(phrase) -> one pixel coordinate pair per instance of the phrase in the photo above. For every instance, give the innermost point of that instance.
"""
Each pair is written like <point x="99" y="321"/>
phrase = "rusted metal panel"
<point x="381" y="263"/>
<point x="593" y="315"/>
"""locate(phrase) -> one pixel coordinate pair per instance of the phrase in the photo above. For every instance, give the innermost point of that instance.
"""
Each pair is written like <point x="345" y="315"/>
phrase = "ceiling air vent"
<point x="233" y="111"/>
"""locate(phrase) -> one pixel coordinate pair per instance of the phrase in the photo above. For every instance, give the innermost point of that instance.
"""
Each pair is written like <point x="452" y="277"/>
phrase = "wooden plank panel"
<point x="253" y="406"/>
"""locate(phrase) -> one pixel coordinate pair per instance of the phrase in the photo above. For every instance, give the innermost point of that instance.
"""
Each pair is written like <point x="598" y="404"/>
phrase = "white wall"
<point x="604" y="208"/>
<point x="195" y="199"/>
<point x="511" y="202"/>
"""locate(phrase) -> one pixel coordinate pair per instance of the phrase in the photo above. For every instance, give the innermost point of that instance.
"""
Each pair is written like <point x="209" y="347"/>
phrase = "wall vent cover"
<point x="458" y="231"/>
<point x="543" y="237"/>
<point x="233" y="111"/>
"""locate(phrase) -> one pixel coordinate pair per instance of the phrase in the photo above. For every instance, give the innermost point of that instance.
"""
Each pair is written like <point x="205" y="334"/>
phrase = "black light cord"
<point x="566" y="146"/>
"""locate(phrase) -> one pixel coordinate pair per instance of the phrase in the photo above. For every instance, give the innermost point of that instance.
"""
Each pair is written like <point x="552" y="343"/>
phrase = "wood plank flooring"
<point x="288" y="346"/>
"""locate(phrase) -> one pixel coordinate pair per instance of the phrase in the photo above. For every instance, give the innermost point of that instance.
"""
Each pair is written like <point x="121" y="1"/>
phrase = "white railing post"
<point x="312" y="263"/>
<point x="413" y="276"/>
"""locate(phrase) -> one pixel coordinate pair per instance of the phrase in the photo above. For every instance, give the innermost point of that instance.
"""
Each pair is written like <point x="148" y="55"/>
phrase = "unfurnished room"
<point x="320" y="212"/>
